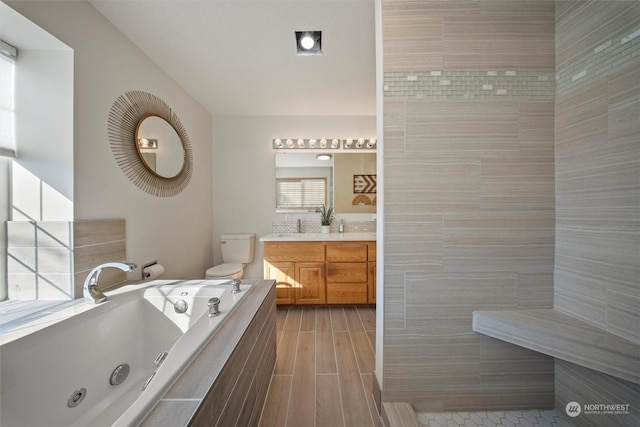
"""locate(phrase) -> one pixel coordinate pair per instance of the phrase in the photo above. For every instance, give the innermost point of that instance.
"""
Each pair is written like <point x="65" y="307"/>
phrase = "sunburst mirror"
<point x="150" y="144"/>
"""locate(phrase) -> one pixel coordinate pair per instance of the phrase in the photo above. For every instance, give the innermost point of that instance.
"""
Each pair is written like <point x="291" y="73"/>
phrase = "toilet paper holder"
<point x="147" y="274"/>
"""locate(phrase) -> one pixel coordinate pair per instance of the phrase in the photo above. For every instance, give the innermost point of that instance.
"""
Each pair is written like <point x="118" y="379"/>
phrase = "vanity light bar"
<point x="325" y="143"/>
<point x="359" y="143"/>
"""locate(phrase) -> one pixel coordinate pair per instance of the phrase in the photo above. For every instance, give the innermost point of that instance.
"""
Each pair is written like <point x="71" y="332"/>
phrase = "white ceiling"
<point x="238" y="57"/>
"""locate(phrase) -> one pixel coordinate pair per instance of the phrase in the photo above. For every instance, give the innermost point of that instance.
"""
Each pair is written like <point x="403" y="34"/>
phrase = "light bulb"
<point x="334" y="143"/>
<point x="307" y="42"/>
<point x="301" y="143"/>
<point x="278" y="143"/>
<point x="289" y="143"/>
<point x="323" y="143"/>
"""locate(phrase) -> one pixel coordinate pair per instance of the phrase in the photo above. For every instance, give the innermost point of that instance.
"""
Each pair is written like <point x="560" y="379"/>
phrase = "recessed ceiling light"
<point x="309" y="42"/>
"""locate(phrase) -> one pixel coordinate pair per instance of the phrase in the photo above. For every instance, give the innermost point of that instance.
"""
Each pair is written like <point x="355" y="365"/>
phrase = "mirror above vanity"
<point x="346" y="181"/>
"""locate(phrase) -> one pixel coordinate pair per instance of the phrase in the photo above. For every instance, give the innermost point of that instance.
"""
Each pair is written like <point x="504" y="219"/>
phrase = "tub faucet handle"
<point x="235" y="284"/>
<point x="213" y="304"/>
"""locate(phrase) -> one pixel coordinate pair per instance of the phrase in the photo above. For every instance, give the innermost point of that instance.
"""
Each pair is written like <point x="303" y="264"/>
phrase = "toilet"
<point x="237" y="250"/>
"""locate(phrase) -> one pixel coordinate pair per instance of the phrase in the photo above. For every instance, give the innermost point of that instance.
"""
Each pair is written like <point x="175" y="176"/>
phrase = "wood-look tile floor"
<point x="324" y="368"/>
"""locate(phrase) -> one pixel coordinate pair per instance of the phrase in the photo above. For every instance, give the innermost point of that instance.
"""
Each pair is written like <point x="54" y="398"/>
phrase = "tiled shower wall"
<point x="469" y="198"/>
<point x="597" y="259"/>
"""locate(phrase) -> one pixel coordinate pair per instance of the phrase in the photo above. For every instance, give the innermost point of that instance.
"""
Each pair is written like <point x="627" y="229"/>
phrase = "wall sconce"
<point x="147" y="144"/>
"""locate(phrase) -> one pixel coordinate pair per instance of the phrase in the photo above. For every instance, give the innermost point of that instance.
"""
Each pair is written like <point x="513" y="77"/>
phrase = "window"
<point x="7" y="119"/>
<point x="300" y="193"/>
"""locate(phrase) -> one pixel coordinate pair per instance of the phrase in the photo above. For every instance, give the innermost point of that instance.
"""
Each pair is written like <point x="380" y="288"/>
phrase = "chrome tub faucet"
<point x="91" y="290"/>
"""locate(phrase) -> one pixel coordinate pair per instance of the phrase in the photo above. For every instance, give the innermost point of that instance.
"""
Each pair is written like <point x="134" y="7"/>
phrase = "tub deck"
<point x="228" y="381"/>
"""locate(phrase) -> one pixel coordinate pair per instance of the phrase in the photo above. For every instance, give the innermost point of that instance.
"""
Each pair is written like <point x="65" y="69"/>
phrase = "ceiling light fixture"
<point x="309" y="42"/>
<point x="321" y="144"/>
<point x="323" y="156"/>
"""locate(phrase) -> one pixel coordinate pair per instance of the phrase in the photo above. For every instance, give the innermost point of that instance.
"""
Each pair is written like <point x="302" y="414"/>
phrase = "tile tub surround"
<point x="51" y="259"/>
<point x="96" y="242"/>
<point x="469" y="199"/>
<point x="227" y="382"/>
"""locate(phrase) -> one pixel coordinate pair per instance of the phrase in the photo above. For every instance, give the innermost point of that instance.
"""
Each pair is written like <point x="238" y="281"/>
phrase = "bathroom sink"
<point x="289" y="235"/>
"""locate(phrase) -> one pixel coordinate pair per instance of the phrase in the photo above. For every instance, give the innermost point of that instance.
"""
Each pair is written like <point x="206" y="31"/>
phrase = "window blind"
<point x="7" y="109"/>
<point x="300" y="193"/>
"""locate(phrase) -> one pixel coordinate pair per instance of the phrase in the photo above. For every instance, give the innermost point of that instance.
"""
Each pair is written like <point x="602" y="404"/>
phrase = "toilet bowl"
<point x="225" y="272"/>
<point x="237" y="251"/>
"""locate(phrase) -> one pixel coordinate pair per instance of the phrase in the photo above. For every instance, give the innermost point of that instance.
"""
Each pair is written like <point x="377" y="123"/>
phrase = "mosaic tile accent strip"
<point x="314" y="226"/>
<point x="470" y="85"/>
<point x="605" y="58"/>
<point x="546" y="418"/>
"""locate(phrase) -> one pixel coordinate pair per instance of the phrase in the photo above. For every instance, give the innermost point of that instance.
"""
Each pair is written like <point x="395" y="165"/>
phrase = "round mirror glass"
<point x="159" y="146"/>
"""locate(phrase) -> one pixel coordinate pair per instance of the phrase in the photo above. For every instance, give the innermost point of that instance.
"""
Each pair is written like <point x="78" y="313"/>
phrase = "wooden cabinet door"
<point x="310" y="280"/>
<point x="284" y="275"/>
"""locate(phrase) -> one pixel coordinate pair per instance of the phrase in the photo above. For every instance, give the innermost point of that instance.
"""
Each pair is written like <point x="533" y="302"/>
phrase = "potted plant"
<point x="326" y="216"/>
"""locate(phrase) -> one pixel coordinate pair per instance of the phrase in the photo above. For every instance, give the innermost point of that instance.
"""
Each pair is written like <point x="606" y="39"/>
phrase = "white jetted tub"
<point x="88" y="365"/>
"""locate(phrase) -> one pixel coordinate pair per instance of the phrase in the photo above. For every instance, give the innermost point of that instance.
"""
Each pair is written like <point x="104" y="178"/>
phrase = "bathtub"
<point x="59" y="371"/>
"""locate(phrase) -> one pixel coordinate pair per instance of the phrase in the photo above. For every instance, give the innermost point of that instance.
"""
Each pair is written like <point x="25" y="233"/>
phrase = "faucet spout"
<point x="90" y="288"/>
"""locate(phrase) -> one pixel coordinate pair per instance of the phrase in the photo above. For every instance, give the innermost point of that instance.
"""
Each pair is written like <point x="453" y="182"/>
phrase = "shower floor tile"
<point x="529" y="418"/>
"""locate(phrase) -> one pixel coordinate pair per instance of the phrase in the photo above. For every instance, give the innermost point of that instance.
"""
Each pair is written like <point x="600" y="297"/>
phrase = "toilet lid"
<point x="224" y="270"/>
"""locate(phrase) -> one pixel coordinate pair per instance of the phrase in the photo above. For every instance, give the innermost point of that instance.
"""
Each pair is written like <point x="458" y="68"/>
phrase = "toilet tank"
<point x="237" y="247"/>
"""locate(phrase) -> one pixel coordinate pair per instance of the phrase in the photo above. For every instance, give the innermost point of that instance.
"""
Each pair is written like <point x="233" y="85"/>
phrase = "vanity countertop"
<point x="319" y="237"/>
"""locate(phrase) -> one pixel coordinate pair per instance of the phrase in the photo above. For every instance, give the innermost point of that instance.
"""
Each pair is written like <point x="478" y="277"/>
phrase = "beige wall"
<point x="244" y="171"/>
<point x="177" y="230"/>
<point x="469" y="198"/>
<point x="597" y="258"/>
<point x="345" y="166"/>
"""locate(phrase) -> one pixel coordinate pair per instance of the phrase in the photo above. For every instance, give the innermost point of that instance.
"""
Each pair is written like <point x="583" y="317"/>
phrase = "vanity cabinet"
<point x="321" y="272"/>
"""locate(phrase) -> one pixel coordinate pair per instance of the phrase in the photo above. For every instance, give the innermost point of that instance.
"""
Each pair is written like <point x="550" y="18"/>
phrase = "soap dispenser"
<point x="341" y="227"/>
